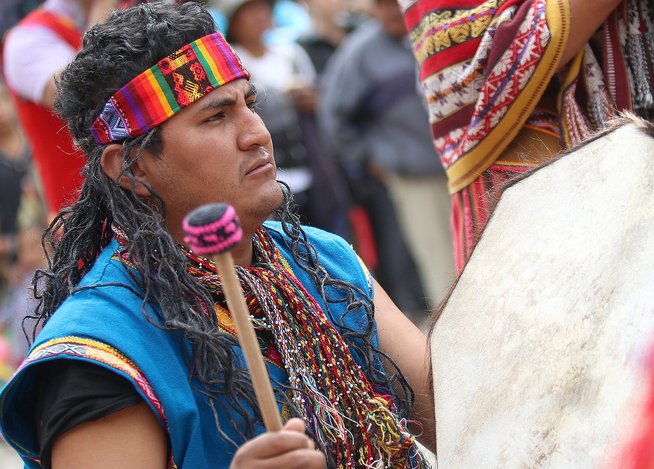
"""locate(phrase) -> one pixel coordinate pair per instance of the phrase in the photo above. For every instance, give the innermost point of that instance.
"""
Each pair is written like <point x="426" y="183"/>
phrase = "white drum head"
<point x="538" y="354"/>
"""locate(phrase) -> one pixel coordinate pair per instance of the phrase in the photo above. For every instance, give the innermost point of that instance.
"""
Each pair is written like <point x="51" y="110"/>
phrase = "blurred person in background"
<point x="329" y="26"/>
<point x="285" y="78"/>
<point x="374" y="116"/>
<point x="14" y="166"/>
<point x="18" y="305"/>
<point x="21" y="224"/>
<point x="291" y="20"/>
<point x="12" y="11"/>
<point x="35" y="52"/>
<point x="330" y="23"/>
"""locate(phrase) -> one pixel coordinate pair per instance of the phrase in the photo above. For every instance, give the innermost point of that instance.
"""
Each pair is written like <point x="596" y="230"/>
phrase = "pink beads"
<point x="212" y="229"/>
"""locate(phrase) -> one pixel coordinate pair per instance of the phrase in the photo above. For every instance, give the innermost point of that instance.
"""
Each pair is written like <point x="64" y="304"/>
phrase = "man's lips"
<point x="263" y="163"/>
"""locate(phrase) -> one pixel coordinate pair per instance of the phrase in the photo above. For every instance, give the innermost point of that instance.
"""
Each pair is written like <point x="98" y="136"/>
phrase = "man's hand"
<point x="289" y="448"/>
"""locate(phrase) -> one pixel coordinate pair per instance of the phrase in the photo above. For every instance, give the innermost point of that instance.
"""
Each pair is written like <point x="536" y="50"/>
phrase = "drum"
<point x="539" y="355"/>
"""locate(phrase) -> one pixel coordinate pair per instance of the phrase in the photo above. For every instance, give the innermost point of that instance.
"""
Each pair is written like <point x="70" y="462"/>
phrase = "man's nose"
<point x="253" y="131"/>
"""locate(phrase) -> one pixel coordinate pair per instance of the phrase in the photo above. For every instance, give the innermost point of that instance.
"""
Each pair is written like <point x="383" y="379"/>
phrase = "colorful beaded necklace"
<point x="348" y="419"/>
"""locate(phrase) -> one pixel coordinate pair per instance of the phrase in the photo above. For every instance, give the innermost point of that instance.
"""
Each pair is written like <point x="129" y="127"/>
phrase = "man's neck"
<point x="244" y="251"/>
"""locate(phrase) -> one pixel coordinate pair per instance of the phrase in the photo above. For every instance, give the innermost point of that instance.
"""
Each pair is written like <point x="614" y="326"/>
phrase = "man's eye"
<point x="254" y="105"/>
<point x="217" y="116"/>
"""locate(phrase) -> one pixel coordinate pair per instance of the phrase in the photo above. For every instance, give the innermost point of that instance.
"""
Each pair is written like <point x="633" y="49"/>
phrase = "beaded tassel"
<point x="352" y="423"/>
<point x="349" y="420"/>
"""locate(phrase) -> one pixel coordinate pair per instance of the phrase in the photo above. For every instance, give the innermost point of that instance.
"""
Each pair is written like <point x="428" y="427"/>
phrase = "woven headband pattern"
<point x="173" y="83"/>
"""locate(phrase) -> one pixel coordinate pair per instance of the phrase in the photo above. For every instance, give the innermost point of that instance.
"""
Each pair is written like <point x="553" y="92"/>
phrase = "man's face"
<point x="216" y="150"/>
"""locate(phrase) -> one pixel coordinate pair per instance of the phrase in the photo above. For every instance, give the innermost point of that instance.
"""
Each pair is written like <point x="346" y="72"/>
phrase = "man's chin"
<point x="276" y="204"/>
<point x="267" y="206"/>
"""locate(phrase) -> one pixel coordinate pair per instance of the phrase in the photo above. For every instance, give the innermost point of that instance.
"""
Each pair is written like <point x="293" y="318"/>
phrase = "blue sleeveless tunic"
<point x="105" y="326"/>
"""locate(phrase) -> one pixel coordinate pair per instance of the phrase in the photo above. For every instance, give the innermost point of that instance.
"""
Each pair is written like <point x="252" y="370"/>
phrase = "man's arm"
<point x="130" y="439"/>
<point x="585" y="17"/>
<point x="407" y="346"/>
<point x="133" y="439"/>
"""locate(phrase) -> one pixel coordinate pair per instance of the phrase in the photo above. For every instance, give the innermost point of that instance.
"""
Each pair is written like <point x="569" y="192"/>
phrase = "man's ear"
<point x="112" y="165"/>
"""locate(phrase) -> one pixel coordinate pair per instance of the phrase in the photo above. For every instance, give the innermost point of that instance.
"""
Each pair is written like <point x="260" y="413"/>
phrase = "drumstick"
<point x="213" y="230"/>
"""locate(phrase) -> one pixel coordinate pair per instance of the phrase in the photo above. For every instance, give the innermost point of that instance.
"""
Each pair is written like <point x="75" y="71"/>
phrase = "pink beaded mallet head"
<point x="212" y="231"/>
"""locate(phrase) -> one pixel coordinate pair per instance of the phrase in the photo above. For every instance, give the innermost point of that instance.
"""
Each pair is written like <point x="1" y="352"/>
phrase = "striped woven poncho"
<point x="489" y="66"/>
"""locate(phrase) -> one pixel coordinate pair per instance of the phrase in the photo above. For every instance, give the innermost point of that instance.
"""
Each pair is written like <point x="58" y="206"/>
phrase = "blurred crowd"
<point x="338" y="90"/>
<point x="340" y="96"/>
<point x="22" y="219"/>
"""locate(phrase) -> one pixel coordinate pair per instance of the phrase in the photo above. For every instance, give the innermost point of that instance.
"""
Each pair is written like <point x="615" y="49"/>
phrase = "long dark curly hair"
<point x="113" y="53"/>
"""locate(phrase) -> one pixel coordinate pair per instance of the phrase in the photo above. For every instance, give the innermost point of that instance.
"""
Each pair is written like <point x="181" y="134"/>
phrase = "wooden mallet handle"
<point x="212" y="231"/>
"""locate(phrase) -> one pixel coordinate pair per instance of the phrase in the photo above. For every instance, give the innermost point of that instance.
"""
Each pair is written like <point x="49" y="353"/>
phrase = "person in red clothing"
<point x="35" y="52"/>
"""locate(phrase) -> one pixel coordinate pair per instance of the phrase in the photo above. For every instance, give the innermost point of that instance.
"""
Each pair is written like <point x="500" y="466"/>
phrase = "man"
<point x="511" y="83"/>
<point x="35" y="52"/>
<point x="137" y="365"/>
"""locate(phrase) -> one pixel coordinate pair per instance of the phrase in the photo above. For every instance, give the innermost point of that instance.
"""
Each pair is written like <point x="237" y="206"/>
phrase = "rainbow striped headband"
<point x="173" y="83"/>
